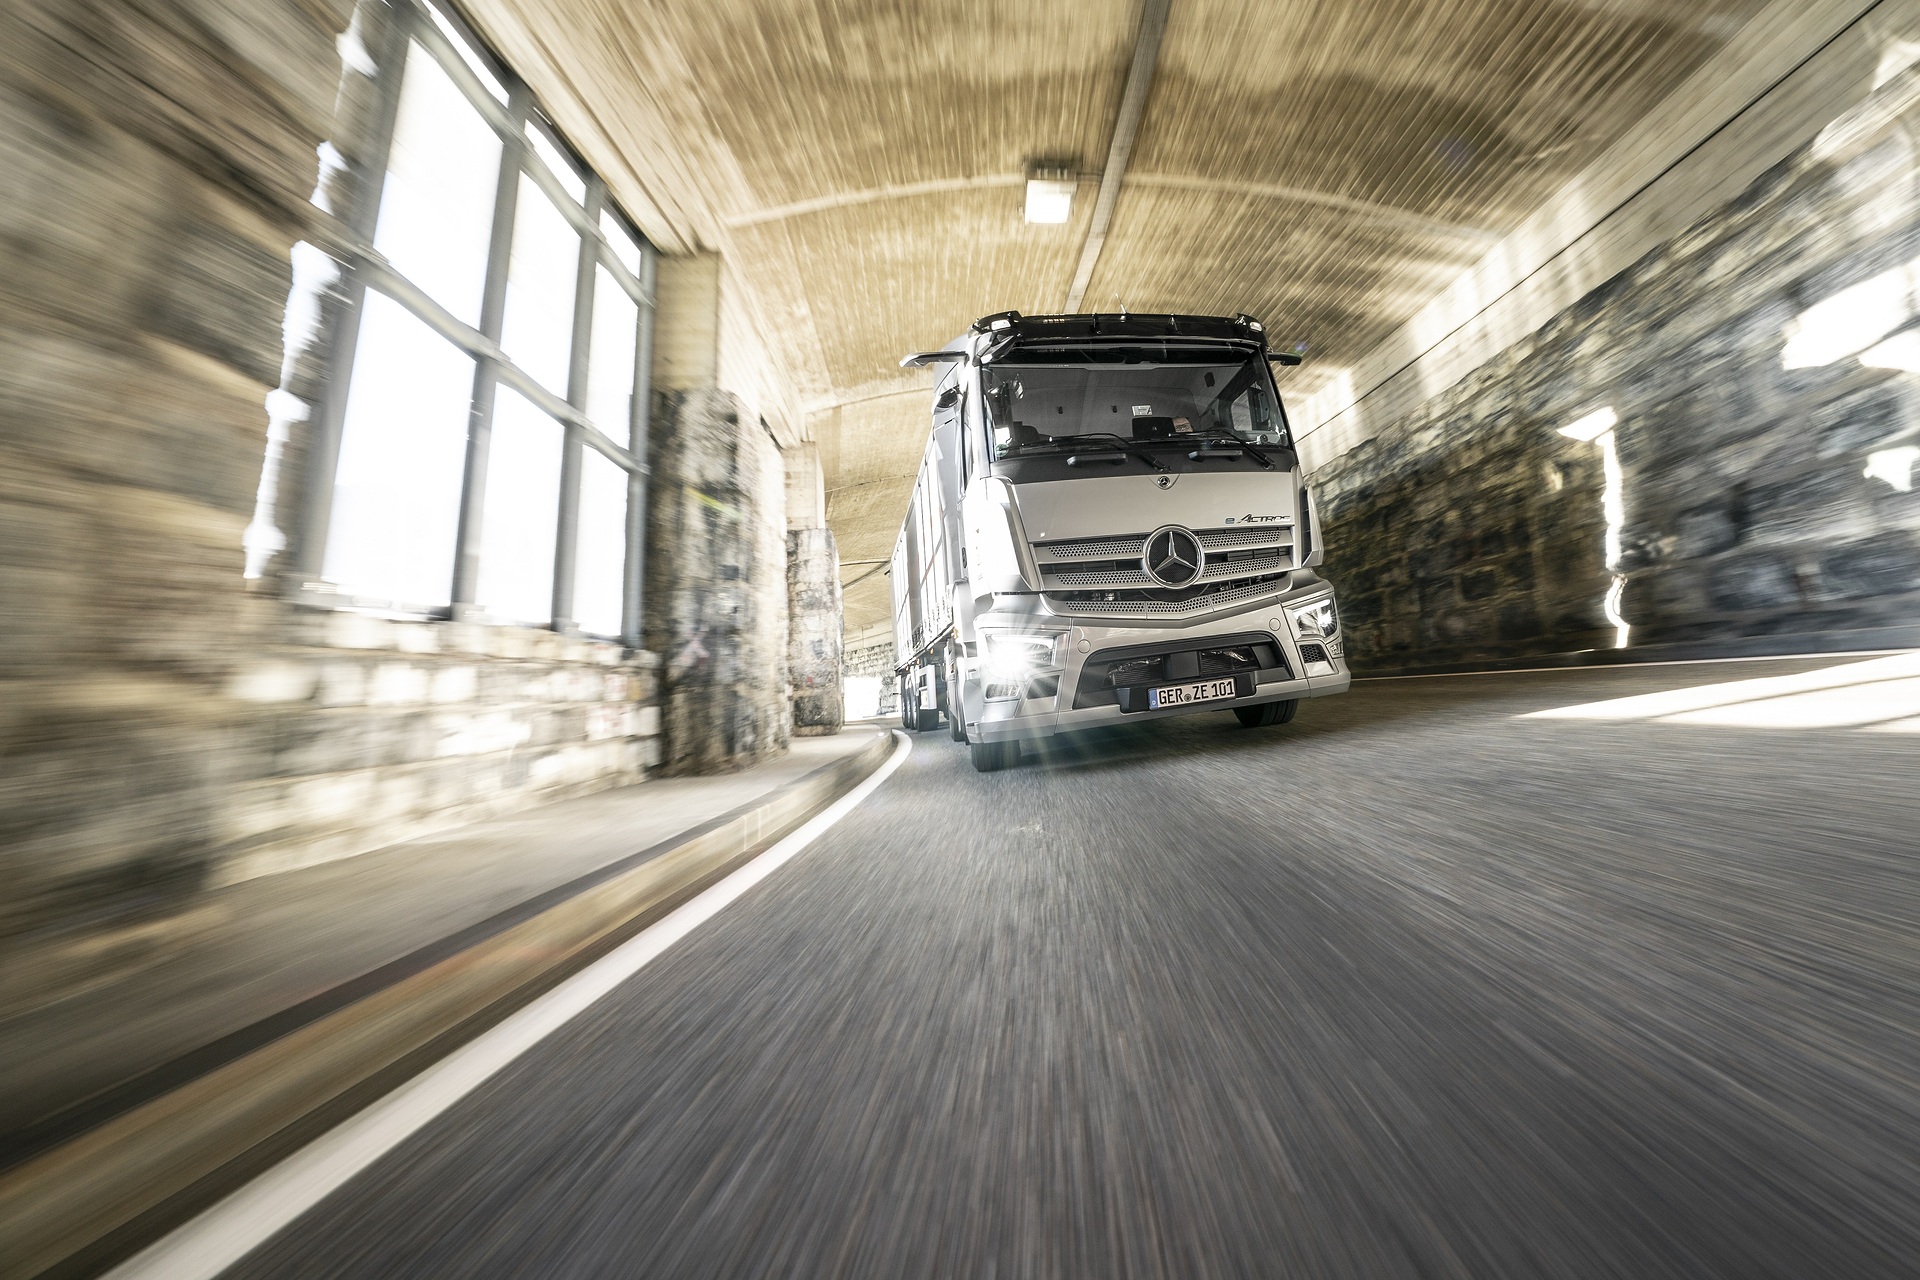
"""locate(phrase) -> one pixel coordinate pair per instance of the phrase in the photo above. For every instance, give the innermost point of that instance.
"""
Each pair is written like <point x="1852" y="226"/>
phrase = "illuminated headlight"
<point x="1316" y="618"/>
<point x="1011" y="656"/>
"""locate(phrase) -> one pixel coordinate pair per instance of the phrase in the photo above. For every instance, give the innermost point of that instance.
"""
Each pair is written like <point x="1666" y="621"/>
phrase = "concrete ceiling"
<point x="1328" y="165"/>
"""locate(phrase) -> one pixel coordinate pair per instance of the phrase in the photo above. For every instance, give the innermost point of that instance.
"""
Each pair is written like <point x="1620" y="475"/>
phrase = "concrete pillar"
<point x="814" y="611"/>
<point x="806" y="487"/>
<point x="716" y="562"/>
<point x="813" y="638"/>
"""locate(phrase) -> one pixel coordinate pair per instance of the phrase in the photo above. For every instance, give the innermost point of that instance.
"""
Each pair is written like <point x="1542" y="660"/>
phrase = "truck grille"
<point x="1253" y="565"/>
<point x="1103" y="576"/>
<point x="1132" y="546"/>
<point x="1161" y="603"/>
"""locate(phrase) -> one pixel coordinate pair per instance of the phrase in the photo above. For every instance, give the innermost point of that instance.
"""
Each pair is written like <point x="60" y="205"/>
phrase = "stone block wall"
<point x="164" y="728"/>
<point x="158" y="161"/>
<point x="358" y="731"/>
<point x="1758" y="499"/>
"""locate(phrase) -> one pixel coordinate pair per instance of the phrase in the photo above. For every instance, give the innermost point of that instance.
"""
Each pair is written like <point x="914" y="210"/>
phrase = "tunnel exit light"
<point x="1597" y="428"/>
<point x="1049" y="200"/>
<point x="1591" y="427"/>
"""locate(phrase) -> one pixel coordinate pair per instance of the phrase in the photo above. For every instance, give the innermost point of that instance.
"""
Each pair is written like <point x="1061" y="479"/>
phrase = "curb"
<point x="79" y="1206"/>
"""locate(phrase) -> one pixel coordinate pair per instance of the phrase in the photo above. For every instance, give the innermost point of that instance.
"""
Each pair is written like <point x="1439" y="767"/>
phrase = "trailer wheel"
<point x="991" y="757"/>
<point x="1267" y="713"/>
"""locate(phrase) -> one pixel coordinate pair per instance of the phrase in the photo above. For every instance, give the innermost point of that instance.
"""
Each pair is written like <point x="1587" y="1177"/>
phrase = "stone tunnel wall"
<point x="164" y="729"/>
<point x="1759" y="500"/>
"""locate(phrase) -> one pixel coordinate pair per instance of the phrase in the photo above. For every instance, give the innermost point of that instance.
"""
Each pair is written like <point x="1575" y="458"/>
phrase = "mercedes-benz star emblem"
<point x="1173" y="557"/>
<point x="1165" y="481"/>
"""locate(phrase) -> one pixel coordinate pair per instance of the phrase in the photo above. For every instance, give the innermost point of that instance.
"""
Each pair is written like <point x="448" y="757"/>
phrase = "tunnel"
<point x="893" y="638"/>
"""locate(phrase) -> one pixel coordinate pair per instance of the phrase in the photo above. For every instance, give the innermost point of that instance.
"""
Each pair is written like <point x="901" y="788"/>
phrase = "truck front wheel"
<point x="1267" y="713"/>
<point x="991" y="757"/>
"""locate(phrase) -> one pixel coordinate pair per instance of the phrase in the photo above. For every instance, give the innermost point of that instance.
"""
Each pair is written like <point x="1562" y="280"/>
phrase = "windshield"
<point x="1161" y="396"/>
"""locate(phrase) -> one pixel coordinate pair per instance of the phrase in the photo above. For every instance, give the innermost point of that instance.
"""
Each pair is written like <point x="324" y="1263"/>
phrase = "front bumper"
<point x="1031" y="717"/>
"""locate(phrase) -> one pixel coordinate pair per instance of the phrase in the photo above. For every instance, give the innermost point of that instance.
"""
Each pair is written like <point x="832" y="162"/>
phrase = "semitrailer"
<point x="1108" y="525"/>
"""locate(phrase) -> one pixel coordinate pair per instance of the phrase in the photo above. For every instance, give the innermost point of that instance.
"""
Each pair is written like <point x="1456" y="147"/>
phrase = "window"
<point x="396" y="496"/>
<point x="463" y="399"/>
<point x="522" y="513"/>
<point x="557" y="163"/>
<point x="616" y="329"/>
<point x="597" y="585"/>
<point x="540" y="284"/>
<point x="436" y="208"/>
<point x="625" y="249"/>
<point x="1041" y="400"/>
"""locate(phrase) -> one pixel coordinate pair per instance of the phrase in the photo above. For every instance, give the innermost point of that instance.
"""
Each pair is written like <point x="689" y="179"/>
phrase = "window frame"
<point x="399" y="25"/>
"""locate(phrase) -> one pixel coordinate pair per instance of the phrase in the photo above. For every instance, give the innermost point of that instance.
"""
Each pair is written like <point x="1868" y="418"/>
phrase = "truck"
<point x="1108" y="525"/>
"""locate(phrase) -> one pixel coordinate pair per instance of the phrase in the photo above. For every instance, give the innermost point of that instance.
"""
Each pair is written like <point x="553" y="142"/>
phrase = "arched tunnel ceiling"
<point x="1328" y="165"/>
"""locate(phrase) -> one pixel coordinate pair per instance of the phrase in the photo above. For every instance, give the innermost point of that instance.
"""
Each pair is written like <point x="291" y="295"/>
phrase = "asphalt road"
<point x="1410" y="987"/>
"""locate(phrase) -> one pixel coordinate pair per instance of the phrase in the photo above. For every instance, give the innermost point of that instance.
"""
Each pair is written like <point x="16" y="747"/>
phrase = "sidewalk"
<point x="320" y="936"/>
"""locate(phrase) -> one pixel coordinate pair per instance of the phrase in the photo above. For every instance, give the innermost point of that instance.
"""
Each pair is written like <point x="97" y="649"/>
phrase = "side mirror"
<point x="1287" y="358"/>
<point x="947" y="399"/>
<point x="918" y="358"/>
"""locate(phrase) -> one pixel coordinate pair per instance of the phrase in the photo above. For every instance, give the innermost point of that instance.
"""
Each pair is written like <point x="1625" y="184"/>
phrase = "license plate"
<point x="1180" y="695"/>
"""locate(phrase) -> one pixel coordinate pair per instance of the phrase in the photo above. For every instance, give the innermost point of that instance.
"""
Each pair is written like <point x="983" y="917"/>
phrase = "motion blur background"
<point x="411" y="413"/>
<point x="268" y="599"/>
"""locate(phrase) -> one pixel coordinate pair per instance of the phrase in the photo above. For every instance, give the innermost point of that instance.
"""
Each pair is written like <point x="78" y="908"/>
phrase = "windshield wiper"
<point x="1119" y="442"/>
<point x="1236" y="442"/>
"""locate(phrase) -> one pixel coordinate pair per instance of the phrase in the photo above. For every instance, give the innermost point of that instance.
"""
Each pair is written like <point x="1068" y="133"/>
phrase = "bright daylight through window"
<point x="502" y="304"/>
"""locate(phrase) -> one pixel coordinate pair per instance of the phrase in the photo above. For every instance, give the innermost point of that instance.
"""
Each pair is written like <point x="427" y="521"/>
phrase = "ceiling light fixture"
<point x="1050" y="195"/>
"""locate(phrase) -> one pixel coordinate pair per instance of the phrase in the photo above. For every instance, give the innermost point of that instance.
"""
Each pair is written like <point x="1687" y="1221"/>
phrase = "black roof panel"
<point x="1105" y="324"/>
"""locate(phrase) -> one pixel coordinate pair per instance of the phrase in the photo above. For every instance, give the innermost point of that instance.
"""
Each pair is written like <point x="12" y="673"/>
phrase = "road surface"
<point x="1413" y="986"/>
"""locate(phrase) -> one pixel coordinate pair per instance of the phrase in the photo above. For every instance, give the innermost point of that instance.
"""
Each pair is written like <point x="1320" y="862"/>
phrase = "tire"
<point x="1267" y="713"/>
<point x="991" y="757"/>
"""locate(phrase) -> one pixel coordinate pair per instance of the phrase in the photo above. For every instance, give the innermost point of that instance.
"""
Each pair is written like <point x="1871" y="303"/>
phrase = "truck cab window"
<point x="1046" y="401"/>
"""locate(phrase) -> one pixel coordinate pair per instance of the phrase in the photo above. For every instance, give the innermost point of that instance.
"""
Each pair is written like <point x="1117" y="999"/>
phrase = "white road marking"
<point x="1838" y="655"/>
<point x="229" y="1230"/>
<point x="1849" y="694"/>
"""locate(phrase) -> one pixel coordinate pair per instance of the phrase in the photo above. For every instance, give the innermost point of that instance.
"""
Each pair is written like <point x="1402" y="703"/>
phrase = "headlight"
<point x="1316" y="618"/>
<point x="1014" y="655"/>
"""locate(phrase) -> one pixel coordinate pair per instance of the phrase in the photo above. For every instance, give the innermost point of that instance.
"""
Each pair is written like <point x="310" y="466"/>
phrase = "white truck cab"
<point x="1108" y="525"/>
